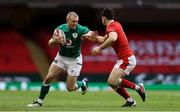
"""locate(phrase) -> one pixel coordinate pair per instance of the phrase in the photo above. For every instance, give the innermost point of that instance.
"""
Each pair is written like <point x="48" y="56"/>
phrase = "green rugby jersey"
<point x="73" y="40"/>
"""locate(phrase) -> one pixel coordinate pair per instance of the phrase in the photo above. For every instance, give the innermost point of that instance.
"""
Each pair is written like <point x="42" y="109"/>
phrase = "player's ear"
<point x="103" y="17"/>
<point x="67" y="19"/>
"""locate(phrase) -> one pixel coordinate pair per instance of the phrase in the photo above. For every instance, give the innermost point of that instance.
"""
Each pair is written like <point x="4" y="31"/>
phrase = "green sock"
<point x="79" y="84"/>
<point x="44" y="91"/>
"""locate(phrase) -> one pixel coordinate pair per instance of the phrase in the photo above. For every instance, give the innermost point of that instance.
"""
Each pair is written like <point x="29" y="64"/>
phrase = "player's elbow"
<point x="113" y="39"/>
<point x="113" y="36"/>
<point x="49" y="43"/>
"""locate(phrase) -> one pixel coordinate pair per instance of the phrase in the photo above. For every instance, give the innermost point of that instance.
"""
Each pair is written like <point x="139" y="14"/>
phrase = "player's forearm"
<point x="107" y="43"/>
<point x="100" y="39"/>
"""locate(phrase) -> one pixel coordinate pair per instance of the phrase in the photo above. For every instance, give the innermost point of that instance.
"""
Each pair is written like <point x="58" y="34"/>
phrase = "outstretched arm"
<point x="94" y="37"/>
<point x="91" y="35"/>
<point x="101" y="39"/>
<point x="110" y="40"/>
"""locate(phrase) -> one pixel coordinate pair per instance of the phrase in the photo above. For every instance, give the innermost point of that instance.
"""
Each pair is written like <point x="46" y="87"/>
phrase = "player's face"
<point x="72" y="22"/>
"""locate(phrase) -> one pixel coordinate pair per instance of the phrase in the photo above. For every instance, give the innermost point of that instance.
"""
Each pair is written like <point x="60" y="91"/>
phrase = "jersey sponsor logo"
<point x="75" y="35"/>
<point x="68" y="42"/>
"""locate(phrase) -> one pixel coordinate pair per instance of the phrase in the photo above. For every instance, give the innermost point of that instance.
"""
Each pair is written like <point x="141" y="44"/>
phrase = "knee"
<point x="48" y="79"/>
<point x="111" y="83"/>
<point x="69" y="89"/>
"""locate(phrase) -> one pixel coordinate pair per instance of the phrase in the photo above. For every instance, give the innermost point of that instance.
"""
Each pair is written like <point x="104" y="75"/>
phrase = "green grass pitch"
<point x="92" y="101"/>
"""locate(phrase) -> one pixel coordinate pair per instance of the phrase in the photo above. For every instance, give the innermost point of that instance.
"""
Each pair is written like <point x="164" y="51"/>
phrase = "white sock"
<point x="84" y="82"/>
<point x="137" y="87"/>
<point x="46" y="84"/>
<point x="40" y="100"/>
<point x="130" y="99"/>
<point x="120" y="80"/>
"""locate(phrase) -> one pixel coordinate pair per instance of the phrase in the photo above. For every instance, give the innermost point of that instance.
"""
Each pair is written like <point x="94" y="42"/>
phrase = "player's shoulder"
<point x="81" y="26"/>
<point x="115" y="24"/>
<point x="62" y="27"/>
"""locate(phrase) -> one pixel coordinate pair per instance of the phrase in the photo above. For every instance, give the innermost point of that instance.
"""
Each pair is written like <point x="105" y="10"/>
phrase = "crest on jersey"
<point x="75" y="35"/>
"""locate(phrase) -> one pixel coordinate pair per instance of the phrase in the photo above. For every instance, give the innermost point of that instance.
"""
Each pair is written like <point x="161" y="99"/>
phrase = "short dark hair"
<point x="108" y="13"/>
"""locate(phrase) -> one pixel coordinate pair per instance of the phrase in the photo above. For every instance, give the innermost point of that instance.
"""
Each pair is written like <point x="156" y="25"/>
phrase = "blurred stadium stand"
<point x="84" y="2"/>
<point x="42" y="39"/>
<point x="148" y="24"/>
<point x="15" y="59"/>
<point x="159" y="4"/>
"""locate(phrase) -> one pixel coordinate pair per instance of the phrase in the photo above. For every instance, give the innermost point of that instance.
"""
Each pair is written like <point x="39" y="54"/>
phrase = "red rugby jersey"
<point x="120" y="46"/>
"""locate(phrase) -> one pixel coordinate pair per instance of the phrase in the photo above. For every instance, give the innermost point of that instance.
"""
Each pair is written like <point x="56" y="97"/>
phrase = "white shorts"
<point x="71" y="65"/>
<point x="126" y="64"/>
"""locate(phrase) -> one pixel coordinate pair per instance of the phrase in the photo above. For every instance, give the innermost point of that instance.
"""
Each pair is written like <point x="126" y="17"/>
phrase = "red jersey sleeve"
<point x="110" y="28"/>
<point x="120" y="46"/>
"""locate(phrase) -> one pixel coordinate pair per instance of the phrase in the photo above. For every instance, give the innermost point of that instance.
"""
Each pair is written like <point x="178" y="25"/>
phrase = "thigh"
<point x="74" y="66"/>
<point x="59" y="61"/>
<point x="54" y="71"/>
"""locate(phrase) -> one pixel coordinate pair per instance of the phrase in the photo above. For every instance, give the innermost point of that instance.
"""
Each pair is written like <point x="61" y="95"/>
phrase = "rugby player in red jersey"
<point x="116" y="38"/>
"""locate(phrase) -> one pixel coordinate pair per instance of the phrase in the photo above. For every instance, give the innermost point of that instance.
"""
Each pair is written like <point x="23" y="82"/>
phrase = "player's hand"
<point x="96" y="51"/>
<point x="91" y="35"/>
<point x="57" y="39"/>
<point x="54" y="41"/>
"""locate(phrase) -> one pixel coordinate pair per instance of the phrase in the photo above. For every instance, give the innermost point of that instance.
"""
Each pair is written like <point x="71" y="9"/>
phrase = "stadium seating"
<point x="42" y="38"/>
<point x="14" y="55"/>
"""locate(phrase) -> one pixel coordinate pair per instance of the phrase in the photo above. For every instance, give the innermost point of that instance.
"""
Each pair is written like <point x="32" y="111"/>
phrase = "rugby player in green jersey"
<point x="68" y="59"/>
